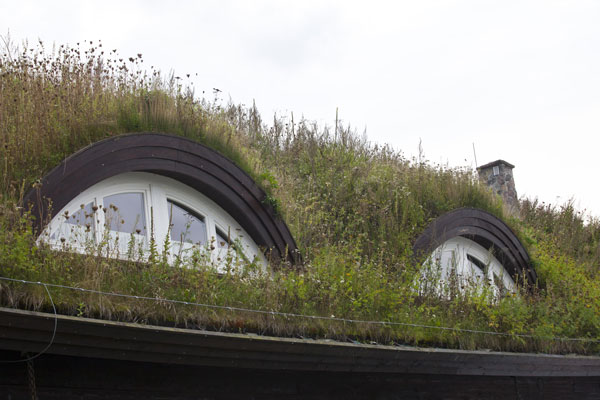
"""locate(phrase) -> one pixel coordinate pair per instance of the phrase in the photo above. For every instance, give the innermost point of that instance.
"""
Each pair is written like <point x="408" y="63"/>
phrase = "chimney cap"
<point x="495" y="163"/>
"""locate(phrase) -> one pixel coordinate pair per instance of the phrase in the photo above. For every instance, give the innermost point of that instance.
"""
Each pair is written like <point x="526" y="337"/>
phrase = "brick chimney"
<point x="498" y="176"/>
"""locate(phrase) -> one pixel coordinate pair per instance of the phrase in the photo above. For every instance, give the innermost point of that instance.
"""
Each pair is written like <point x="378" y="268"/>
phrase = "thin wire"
<point x="316" y="317"/>
<point x="53" y="332"/>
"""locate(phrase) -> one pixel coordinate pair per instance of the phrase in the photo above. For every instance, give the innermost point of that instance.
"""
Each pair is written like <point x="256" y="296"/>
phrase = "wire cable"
<point x="294" y="315"/>
<point x="53" y="332"/>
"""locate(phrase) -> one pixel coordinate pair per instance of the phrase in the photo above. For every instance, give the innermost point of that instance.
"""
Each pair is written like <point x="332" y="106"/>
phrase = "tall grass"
<point x="354" y="208"/>
<point x="54" y="102"/>
<point x="572" y="232"/>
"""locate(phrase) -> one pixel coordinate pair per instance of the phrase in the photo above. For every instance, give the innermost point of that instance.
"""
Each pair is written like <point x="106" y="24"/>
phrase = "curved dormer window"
<point x="130" y="194"/>
<point x="124" y="213"/>
<point x="471" y="247"/>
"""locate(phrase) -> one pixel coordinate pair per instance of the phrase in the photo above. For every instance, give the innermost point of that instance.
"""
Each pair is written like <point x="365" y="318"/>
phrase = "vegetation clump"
<point x="354" y="208"/>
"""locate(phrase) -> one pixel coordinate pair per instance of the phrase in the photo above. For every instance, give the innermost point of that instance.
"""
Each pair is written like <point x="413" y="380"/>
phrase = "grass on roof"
<point x="353" y="207"/>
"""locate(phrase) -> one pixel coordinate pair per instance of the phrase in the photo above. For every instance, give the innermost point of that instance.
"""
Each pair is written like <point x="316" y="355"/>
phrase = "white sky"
<point x="520" y="79"/>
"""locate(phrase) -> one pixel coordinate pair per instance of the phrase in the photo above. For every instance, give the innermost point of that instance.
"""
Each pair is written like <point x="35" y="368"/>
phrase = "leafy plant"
<point x="354" y="208"/>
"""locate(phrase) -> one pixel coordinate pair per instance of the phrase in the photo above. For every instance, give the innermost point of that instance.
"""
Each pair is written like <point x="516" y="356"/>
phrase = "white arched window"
<point x="469" y="247"/>
<point x="124" y="214"/>
<point x="466" y="263"/>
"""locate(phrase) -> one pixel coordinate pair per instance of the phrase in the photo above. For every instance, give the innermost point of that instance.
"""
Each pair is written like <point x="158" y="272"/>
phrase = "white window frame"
<point x="157" y="190"/>
<point x="451" y="262"/>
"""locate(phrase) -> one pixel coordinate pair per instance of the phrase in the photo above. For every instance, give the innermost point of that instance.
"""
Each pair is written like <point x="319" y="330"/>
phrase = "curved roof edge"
<point x="175" y="157"/>
<point x="159" y="344"/>
<point x="484" y="229"/>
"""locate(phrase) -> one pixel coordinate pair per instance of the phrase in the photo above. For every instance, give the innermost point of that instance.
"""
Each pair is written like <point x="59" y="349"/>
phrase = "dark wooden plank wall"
<point x="64" y="377"/>
<point x="90" y="338"/>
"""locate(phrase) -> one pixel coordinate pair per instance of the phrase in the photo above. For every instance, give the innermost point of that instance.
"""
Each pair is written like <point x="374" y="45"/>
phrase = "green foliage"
<point x="570" y="232"/>
<point x="353" y="207"/>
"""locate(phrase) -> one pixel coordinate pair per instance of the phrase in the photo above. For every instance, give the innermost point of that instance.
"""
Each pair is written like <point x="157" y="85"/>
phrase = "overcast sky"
<point x="519" y="79"/>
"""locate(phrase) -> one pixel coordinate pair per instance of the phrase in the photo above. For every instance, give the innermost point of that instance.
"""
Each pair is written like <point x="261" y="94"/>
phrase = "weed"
<point x="354" y="209"/>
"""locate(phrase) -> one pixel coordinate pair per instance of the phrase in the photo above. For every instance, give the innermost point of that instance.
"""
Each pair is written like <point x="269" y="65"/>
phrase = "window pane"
<point x="185" y="226"/>
<point x="78" y="227"/>
<point x="222" y="242"/>
<point x="84" y="216"/>
<point x="477" y="268"/>
<point x="477" y="262"/>
<point x="125" y="213"/>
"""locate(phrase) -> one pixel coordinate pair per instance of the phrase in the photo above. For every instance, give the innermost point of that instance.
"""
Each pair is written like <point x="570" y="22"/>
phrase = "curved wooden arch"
<point x="175" y="157"/>
<point x="484" y="229"/>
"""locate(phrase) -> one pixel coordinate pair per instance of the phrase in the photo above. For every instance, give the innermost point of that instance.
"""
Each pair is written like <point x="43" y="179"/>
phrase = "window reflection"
<point x="185" y="226"/>
<point x="228" y="248"/>
<point x="84" y="216"/>
<point x="79" y="227"/>
<point x="125" y="213"/>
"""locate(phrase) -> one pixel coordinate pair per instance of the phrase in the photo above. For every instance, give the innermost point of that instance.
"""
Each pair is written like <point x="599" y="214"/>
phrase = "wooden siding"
<point x="95" y="359"/>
